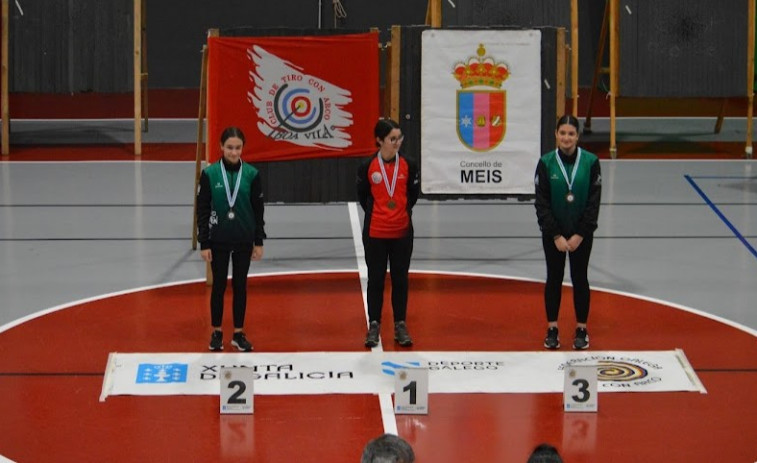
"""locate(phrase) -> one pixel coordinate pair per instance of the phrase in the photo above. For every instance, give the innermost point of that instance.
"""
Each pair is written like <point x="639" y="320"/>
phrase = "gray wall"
<point x="672" y="48"/>
<point x="74" y="46"/>
<point x="71" y="46"/>
<point x="668" y="47"/>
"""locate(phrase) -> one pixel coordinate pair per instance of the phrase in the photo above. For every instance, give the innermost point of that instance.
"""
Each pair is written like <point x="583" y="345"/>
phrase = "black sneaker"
<point x="581" y="341"/>
<point x="240" y="342"/>
<point x="216" y="340"/>
<point x="372" y="336"/>
<point x="401" y="335"/>
<point x="552" y="341"/>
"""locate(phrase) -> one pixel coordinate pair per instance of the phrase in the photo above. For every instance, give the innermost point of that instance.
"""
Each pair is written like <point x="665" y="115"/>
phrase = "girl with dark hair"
<point x="387" y="189"/>
<point x="568" y="189"/>
<point x="230" y="227"/>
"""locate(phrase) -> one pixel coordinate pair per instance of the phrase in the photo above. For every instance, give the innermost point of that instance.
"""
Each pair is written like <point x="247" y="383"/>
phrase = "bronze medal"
<point x="391" y="204"/>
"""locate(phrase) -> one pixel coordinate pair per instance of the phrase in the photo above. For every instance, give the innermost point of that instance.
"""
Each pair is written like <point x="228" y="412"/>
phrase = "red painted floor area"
<point x="51" y="372"/>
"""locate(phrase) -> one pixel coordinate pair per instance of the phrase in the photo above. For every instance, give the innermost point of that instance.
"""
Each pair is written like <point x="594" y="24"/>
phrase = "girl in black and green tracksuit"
<point x="230" y="227"/>
<point x="568" y="189"/>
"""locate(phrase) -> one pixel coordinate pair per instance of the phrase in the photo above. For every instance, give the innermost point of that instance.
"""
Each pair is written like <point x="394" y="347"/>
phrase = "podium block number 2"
<point x="236" y="391"/>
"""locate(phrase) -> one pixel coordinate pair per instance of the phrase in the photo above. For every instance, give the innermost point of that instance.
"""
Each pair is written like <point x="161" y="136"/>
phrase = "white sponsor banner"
<point x="373" y="373"/>
<point x="480" y="111"/>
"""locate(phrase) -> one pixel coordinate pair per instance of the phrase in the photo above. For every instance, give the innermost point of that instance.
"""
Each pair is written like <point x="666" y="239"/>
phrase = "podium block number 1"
<point x="411" y="391"/>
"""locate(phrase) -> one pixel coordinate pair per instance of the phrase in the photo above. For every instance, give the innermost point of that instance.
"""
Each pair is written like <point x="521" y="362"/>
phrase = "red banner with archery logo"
<point x="294" y="97"/>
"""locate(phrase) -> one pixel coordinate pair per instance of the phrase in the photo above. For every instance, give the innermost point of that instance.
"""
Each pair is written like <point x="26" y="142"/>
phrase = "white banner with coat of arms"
<point x="480" y="111"/>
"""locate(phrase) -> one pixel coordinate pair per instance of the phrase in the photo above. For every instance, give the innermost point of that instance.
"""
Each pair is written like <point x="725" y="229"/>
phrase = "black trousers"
<point x="579" y="266"/>
<point x="240" y="256"/>
<point x="379" y="251"/>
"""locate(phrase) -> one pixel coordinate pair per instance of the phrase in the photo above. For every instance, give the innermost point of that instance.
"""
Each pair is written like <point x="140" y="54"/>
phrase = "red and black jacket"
<point x="385" y="216"/>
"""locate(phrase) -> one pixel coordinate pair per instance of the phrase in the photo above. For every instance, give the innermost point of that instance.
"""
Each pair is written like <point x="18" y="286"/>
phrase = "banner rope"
<point x="339" y="11"/>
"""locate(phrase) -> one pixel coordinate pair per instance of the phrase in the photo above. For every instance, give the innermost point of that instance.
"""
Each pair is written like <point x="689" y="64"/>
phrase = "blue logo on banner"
<point x="389" y="368"/>
<point x="162" y="373"/>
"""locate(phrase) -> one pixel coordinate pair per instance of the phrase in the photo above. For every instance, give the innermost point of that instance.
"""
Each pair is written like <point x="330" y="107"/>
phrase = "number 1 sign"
<point x="411" y="391"/>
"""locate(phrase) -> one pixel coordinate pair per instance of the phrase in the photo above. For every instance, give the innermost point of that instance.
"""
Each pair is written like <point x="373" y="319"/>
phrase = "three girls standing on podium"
<point x="568" y="189"/>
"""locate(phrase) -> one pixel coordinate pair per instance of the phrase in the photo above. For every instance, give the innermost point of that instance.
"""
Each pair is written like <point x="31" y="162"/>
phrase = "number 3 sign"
<point x="580" y="392"/>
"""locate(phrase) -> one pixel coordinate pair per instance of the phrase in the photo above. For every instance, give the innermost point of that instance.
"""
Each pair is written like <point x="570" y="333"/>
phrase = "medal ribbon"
<point x="232" y="198"/>
<point x="565" y="173"/>
<point x="389" y="189"/>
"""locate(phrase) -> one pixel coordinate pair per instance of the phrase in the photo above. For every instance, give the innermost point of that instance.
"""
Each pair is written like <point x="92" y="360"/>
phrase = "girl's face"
<point x="567" y="138"/>
<point x="391" y="143"/>
<point x="232" y="149"/>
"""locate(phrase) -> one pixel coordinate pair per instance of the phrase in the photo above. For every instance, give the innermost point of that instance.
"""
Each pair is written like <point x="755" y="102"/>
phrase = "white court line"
<point x="385" y="400"/>
<point x="357" y="241"/>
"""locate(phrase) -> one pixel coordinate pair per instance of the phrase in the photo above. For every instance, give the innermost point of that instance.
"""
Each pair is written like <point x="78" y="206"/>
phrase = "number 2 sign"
<point x="236" y="390"/>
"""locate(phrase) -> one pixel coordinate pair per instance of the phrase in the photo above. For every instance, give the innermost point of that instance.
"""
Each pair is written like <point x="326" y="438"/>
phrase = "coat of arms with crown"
<point x="481" y="104"/>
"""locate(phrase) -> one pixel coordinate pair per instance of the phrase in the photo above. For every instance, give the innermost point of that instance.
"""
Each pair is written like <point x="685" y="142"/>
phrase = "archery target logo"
<point x="295" y="107"/>
<point x="298" y="109"/>
<point x="610" y="370"/>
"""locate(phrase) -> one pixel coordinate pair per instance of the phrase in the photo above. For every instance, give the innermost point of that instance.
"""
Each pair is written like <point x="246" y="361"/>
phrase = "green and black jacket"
<point x="213" y="224"/>
<point x="557" y="216"/>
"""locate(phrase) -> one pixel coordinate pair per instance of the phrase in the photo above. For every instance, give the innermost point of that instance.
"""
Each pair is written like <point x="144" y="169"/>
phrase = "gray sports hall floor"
<point x="679" y="231"/>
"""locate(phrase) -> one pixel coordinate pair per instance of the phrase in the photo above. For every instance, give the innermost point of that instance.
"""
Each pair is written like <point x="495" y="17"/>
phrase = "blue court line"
<point x="725" y="177"/>
<point x="720" y="214"/>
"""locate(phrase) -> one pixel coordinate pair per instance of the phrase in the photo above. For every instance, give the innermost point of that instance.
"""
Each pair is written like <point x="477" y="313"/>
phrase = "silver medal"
<point x="570" y="197"/>
<point x="231" y="197"/>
